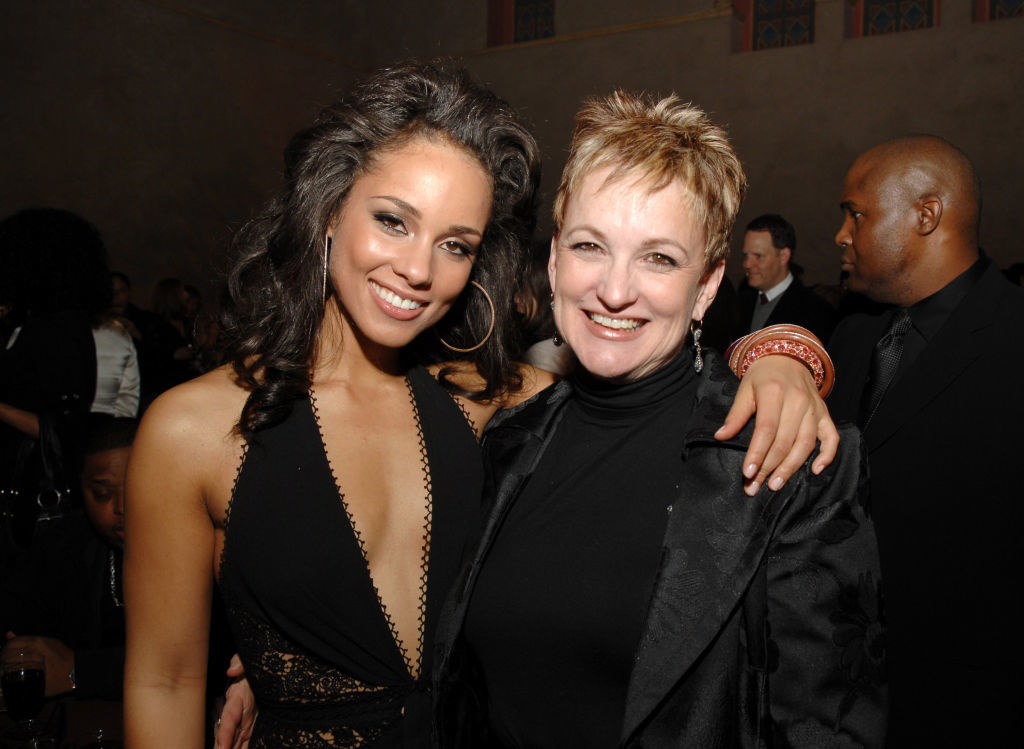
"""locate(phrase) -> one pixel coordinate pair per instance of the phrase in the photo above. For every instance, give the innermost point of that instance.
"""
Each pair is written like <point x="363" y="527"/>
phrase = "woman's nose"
<point x="616" y="288"/>
<point x="414" y="263"/>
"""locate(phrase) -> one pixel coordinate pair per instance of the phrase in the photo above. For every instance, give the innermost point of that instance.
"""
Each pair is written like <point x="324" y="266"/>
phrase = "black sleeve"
<point x="826" y="645"/>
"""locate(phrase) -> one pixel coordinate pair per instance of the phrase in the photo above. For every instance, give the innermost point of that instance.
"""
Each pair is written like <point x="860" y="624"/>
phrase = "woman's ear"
<point x="332" y="224"/>
<point x="553" y="261"/>
<point x="707" y="289"/>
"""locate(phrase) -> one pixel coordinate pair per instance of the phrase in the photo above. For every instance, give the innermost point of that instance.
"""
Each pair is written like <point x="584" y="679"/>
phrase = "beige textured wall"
<point x="163" y="121"/>
<point x="798" y="116"/>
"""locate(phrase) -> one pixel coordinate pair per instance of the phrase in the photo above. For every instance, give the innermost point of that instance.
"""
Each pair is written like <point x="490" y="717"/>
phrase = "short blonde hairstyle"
<point x="658" y="141"/>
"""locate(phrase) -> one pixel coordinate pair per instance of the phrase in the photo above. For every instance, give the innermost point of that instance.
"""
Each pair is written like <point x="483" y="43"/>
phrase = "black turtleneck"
<point x="561" y="599"/>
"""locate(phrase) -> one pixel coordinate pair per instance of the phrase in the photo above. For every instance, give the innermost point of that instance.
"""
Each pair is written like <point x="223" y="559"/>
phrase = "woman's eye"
<point x="458" y="248"/>
<point x="658" y="258"/>
<point x="390" y="222"/>
<point x="586" y="247"/>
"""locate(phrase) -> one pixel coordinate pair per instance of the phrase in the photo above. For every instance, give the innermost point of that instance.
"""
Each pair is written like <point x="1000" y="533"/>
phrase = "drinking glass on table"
<point x="23" y="680"/>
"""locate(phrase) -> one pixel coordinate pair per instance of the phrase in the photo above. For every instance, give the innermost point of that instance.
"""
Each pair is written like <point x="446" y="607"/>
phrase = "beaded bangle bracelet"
<point x="788" y="340"/>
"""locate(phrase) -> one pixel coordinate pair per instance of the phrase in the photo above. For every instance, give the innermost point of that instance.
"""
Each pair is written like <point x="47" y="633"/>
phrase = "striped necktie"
<point x="884" y="363"/>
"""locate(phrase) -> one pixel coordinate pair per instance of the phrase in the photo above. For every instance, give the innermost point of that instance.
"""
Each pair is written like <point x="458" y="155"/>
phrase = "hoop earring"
<point x="327" y="255"/>
<point x="490" y="329"/>
<point x="696" y="332"/>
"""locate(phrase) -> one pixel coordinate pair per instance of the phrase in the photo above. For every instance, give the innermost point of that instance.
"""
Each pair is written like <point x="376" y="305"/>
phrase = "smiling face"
<point x="404" y="243"/>
<point x="627" y="272"/>
<point x="103" y="476"/>
<point x="764" y="265"/>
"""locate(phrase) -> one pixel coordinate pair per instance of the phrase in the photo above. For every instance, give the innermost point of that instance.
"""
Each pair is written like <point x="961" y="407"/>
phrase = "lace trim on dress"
<point x="227" y="512"/>
<point x="305" y="701"/>
<point x="465" y="413"/>
<point x="428" y="522"/>
<point x="412" y="667"/>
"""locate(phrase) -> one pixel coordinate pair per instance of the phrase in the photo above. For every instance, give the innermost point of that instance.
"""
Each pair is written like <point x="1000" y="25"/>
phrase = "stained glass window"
<point x="873" y="17"/>
<point x="512" y="21"/>
<point x="769" y="24"/>
<point x="995" y="10"/>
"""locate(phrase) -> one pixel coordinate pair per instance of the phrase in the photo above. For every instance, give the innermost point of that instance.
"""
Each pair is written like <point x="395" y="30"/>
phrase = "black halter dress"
<point x="318" y="646"/>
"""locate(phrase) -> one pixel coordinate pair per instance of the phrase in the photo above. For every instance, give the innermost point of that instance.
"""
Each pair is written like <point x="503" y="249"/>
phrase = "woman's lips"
<point x="615" y="328"/>
<point x="394" y="305"/>
<point x="616" y="323"/>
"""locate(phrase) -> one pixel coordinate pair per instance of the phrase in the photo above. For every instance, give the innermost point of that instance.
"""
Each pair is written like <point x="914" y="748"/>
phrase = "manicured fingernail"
<point x="752" y="488"/>
<point x="750" y="471"/>
<point x="775" y="484"/>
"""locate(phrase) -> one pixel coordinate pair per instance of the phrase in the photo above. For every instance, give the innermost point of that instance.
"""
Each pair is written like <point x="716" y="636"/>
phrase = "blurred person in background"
<point x="170" y="357"/>
<point x="65" y="600"/>
<point x="54" y="282"/>
<point x="203" y="329"/>
<point x="118" y="383"/>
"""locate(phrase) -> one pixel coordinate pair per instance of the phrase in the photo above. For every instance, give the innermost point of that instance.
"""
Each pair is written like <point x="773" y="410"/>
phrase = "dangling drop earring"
<point x="698" y="360"/>
<point x="327" y="255"/>
<point x="557" y="337"/>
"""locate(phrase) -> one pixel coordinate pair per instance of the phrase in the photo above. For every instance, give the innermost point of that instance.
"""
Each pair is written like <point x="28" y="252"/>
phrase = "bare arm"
<point x="169" y="551"/>
<point x="790" y="416"/>
<point x="237" y="718"/>
<point x="25" y="422"/>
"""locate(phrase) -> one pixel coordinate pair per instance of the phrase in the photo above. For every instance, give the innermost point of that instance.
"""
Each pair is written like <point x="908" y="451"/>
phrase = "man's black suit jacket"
<point x="798" y="305"/>
<point x="945" y="457"/>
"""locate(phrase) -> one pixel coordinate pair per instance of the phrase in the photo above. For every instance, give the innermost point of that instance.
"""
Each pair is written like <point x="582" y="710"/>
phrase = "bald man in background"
<point x="934" y="383"/>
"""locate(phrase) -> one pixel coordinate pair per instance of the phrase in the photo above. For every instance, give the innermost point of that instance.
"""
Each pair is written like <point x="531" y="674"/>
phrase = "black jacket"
<point x="945" y="449"/>
<point x="798" y="305"/>
<point x="763" y="627"/>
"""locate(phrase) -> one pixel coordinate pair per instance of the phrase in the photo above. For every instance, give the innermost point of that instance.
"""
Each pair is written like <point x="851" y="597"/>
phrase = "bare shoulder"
<point x="465" y="376"/>
<point x="191" y="428"/>
<point x="210" y="403"/>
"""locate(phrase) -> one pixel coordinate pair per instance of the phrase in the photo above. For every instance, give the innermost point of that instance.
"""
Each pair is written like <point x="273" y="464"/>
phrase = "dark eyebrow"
<point x="401" y="204"/>
<point x="413" y="211"/>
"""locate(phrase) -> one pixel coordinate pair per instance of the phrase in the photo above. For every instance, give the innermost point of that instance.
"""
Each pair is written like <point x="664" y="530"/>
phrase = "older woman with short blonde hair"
<point x="626" y="591"/>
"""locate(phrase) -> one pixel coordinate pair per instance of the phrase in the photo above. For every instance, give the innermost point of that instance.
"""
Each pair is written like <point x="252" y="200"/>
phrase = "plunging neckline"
<point x="413" y="668"/>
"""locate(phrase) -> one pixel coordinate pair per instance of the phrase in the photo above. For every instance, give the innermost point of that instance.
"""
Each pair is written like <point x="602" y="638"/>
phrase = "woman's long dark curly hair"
<point x="272" y="309"/>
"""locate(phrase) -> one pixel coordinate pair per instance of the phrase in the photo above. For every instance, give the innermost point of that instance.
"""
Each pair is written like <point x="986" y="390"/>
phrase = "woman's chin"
<point x="609" y="366"/>
<point x="620" y="364"/>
